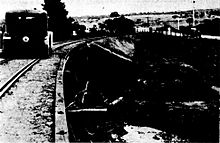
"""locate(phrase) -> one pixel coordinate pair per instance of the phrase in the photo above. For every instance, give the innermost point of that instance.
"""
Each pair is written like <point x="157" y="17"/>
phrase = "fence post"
<point x="1" y="39"/>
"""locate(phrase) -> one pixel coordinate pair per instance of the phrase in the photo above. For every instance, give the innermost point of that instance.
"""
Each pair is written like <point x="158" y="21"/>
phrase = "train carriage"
<point x="25" y="33"/>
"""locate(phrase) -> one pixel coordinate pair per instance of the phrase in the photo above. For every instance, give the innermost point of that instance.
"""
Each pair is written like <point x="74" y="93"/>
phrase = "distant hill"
<point x="215" y="11"/>
<point x="209" y="11"/>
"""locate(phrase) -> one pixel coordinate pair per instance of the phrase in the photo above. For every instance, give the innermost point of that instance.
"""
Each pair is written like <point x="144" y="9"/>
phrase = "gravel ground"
<point x="26" y="111"/>
<point x="9" y="68"/>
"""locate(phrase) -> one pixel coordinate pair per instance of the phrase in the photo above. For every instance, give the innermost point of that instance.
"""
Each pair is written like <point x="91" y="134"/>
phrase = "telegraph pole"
<point x="193" y="1"/>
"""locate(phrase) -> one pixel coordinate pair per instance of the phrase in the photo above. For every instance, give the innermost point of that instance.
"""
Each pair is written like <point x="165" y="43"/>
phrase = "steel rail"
<point x="6" y="86"/>
<point x="61" y="127"/>
<point x="26" y="67"/>
<point x="61" y="45"/>
<point x="20" y="72"/>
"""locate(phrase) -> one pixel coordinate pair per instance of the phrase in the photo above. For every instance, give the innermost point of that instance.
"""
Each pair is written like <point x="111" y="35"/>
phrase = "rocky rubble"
<point x="168" y="86"/>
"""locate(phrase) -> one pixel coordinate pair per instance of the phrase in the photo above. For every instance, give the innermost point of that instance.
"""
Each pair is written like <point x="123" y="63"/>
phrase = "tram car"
<point x="26" y="33"/>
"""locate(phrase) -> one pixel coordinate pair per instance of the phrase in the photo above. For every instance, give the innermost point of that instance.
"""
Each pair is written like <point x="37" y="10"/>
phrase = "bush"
<point x="120" y="26"/>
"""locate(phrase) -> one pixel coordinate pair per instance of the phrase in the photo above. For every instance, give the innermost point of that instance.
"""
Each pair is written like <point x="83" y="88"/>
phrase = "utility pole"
<point x="193" y="1"/>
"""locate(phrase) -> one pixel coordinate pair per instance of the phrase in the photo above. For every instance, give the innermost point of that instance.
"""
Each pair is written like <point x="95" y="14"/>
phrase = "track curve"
<point x="16" y="76"/>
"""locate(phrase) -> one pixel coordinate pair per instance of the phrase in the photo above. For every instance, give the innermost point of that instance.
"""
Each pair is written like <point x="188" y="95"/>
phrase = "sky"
<point x="99" y="7"/>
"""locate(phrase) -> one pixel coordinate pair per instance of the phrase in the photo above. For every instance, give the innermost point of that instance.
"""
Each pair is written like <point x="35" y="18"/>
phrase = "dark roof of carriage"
<point x="27" y="11"/>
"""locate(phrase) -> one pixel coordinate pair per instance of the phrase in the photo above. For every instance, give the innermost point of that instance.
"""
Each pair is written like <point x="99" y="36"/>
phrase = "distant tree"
<point x="138" y="21"/>
<point x="207" y="21"/>
<point x="102" y="29"/>
<point x="215" y="12"/>
<point x="114" y="14"/>
<point x="197" y="14"/>
<point x="94" y="30"/>
<point x="175" y="16"/>
<point x="58" y="21"/>
<point x="210" y="27"/>
<point x="109" y="26"/>
<point x="216" y="21"/>
<point x="145" y="24"/>
<point x="185" y="15"/>
<point x="202" y="14"/>
<point x="102" y="26"/>
<point x="79" y="29"/>
<point x="120" y="26"/>
<point x="190" y="21"/>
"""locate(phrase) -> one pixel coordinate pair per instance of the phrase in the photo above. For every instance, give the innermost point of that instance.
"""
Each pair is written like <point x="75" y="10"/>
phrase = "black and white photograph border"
<point x="135" y="71"/>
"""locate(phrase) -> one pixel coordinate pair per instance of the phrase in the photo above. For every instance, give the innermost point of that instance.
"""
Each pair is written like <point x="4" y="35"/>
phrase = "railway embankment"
<point x="144" y="81"/>
<point x="123" y="46"/>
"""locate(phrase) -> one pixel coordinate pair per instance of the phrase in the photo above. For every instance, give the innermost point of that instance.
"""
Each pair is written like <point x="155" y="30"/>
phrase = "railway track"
<point x="6" y="86"/>
<point x="7" y="83"/>
<point x="11" y="80"/>
<point x="59" y="45"/>
<point x="61" y="125"/>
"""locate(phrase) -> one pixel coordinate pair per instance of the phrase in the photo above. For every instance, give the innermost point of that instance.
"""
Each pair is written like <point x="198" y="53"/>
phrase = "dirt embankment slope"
<point x="176" y="78"/>
<point x="124" y="46"/>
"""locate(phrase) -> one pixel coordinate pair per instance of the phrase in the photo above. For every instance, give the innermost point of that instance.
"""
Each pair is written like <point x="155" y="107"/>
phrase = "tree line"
<point x="63" y="26"/>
